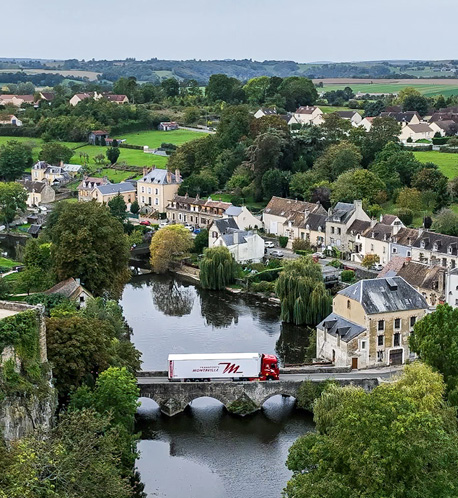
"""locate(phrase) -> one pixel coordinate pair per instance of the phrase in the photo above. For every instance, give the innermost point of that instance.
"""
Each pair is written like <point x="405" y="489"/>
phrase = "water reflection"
<point x="171" y="298"/>
<point x="292" y="343"/>
<point x="218" y="309"/>
<point x="235" y="456"/>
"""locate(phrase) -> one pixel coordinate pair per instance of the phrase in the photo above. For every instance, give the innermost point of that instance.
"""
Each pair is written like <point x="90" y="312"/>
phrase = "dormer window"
<point x="373" y="235"/>
<point x="435" y="246"/>
<point x="450" y="249"/>
<point x="307" y="227"/>
<point x="422" y="244"/>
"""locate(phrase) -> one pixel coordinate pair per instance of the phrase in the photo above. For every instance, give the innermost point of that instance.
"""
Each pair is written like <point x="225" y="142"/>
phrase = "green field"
<point x="429" y="90"/>
<point x="328" y="109"/>
<point x="131" y="157"/>
<point x="447" y="162"/>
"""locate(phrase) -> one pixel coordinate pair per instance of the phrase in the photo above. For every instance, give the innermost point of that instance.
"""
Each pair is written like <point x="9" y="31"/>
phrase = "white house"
<point x="366" y="123"/>
<point x="306" y="115"/>
<point x="354" y="117"/>
<point x="10" y="120"/>
<point x="245" y="246"/>
<point x="415" y="132"/>
<point x="265" y="111"/>
<point x="451" y="288"/>
<point x="243" y="217"/>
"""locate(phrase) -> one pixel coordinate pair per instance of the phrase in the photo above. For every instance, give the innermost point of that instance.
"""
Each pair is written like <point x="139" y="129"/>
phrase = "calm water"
<point x="205" y="451"/>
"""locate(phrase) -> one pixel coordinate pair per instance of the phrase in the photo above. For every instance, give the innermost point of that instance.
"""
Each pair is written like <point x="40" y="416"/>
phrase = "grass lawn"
<point x="447" y="162"/>
<point x="429" y="90"/>
<point x="154" y="138"/>
<point x="8" y="263"/>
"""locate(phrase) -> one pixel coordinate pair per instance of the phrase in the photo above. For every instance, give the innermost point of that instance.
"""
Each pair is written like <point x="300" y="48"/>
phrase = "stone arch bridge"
<point x="174" y="397"/>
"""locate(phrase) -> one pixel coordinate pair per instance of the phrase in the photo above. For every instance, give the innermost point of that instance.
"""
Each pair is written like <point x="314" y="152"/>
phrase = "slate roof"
<point x="358" y="227"/>
<point x="420" y="128"/>
<point x="423" y="276"/>
<point x="184" y="199"/>
<point x="401" y="116"/>
<point x="280" y="206"/>
<point x="341" y="212"/>
<point x="115" y="98"/>
<point x="34" y="229"/>
<point x="40" y="165"/>
<point x="406" y="236"/>
<point x="92" y="182"/>
<point x="268" y="110"/>
<point x="71" y="168"/>
<point x="32" y="186"/>
<point x="315" y="222"/>
<point x="225" y="224"/>
<point x="379" y="231"/>
<point x="335" y="324"/>
<point x="346" y="114"/>
<point x="235" y="237"/>
<point x="305" y="109"/>
<point x="393" y="266"/>
<point x="69" y="288"/>
<point x="160" y="177"/>
<point x="233" y="210"/>
<point x="385" y="295"/>
<point x="114" y="188"/>
<point x="388" y="219"/>
<point x="437" y="242"/>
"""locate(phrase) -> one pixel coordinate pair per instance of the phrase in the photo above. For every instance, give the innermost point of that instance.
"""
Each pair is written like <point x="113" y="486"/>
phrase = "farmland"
<point x="428" y="87"/>
<point x="447" y="162"/>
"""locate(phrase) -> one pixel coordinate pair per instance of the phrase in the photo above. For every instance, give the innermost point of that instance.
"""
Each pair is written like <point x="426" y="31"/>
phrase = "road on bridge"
<point x="358" y="375"/>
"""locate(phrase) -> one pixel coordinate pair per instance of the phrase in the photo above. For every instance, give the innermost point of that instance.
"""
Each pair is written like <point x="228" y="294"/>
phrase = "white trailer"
<point x="214" y="366"/>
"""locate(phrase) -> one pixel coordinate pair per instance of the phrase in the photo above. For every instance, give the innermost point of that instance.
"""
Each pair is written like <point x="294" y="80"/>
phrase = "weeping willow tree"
<point x="300" y="288"/>
<point x="218" y="268"/>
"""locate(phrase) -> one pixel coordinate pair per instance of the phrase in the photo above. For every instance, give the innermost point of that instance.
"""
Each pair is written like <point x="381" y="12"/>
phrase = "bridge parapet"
<point x="173" y="397"/>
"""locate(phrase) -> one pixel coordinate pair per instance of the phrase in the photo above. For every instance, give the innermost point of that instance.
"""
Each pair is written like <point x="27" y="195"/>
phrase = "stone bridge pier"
<point x="173" y="397"/>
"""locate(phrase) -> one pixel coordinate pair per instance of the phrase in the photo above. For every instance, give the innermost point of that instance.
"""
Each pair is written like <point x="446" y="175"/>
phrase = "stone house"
<point x="436" y="249"/>
<point x="157" y="188"/>
<point x="86" y="189"/>
<point x="73" y="290"/>
<point x="306" y="115"/>
<point x="296" y="220"/>
<point x="401" y="242"/>
<point x="104" y="193"/>
<point x="339" y="220"/>
<point x="98" y="137"/>
<point x="42" y="171"/>
<point x="245" y="246"/>
<point x="167" y="126"/>
<point x="370" y="324"/>
<point x="38" y="192"/>
<point x="195" y="211"/>
<point x="377" y="237"/>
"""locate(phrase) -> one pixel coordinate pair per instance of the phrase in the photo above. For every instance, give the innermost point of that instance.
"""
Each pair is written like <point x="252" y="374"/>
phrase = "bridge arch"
<point x="280" y="393"/>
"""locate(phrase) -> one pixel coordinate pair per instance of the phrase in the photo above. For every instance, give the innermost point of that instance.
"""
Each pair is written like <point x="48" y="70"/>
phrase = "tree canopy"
<point x="15" y="157"/>
<point x="13" y="199"/>
<point x="400" y="440"/>
<point x="169" y="244"/>
<point x="54" y="153"/>
<point x="218" y="268"/>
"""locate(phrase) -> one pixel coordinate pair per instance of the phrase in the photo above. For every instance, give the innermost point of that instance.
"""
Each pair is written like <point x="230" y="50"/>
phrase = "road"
<point x="385" y="373"/>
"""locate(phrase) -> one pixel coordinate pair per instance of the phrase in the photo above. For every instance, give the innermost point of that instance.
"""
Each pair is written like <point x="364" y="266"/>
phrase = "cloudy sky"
<point x="299" y="30"/>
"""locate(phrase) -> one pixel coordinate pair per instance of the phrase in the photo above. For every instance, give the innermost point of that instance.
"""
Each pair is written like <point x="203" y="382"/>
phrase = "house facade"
<point x="105" y="193"/>
<point x="339" y="220"/>
<point x="296" y="220"/>
<point x="167" y="126"/>
<point x="157" y="188"/>
<point x="245" y="246"/>
<point x="415" y="132"/>
<point x="401" y="242"/>
<point x="10" y="120"/>
<point x="436" y="249"/>
<point x="370" y="324"/>
<point x="306" y="115"/>
<point x="38" y="192"/>
<point x="73" y="290"/>
<point x="243" y="217"/>
<point x="354" y="117"/>
<point x="86" y="189"/>
<point x="196" y="211"/>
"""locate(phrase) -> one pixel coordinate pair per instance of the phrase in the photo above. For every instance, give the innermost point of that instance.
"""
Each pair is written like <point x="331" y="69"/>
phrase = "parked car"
<point x="189" y="227"/>
<point x="377" y="267"/>
<point x="276" y="254"/>
<point x="197" y="230"/>
<point x="269" y="244"/>
<point x="163" y="224"/>
<point x="319" y="255"/>
<point x="145" y="222"/>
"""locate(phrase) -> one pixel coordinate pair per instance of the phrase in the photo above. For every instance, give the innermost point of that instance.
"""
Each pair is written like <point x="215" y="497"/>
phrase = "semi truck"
<point x="228" y="366"/>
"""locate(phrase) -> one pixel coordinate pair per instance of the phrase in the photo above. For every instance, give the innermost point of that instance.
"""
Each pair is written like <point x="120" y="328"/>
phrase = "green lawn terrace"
<point x="130" y="157"/>
<point x="447" y="162"/>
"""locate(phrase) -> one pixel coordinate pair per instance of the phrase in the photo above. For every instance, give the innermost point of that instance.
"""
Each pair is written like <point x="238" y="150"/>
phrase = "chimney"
<point x="177" y="175"/>
<point x="236" y="237"/>
<point x="78" y="281"/>
<point x="186" y="195"/>
<point x="381" y="218"/>
<point x="396" y="229"/>
<point x="145" y="171"/>
<point x="373" y="222"/>
<point x="197" y="197"/>
<point x="153" y="167"/>
<point x="169" y="177"/>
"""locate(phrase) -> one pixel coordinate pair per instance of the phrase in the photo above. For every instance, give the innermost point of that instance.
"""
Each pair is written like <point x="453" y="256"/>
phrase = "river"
<point x="205" y="451"/>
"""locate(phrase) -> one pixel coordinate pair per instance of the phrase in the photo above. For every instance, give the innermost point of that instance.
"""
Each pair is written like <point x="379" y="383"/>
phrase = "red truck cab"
<point x="269" y="367"/>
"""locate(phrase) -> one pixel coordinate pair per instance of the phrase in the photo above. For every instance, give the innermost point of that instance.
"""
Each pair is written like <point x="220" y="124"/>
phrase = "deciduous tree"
<point x="54" y="153"/>
<point x="218" y="268"/>
<point x="169" y="244"/>
<point x="356" y="184"/>
<point x="13" y="199"/>
<point x="15" y="157"/>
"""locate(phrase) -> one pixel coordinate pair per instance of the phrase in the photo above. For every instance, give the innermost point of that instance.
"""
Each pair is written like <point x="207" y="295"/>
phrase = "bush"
<point x="309" y="392"/>
<point x="347" y="276"/>
<point x="263" y="287"/>
<point x="301" y="245"/>
<point x="370" y="259"/>
<point x="335" y="263"/>
<point x="440" y="140"/>
<point x="283" y="241"/>
<point x="405" y="215"/>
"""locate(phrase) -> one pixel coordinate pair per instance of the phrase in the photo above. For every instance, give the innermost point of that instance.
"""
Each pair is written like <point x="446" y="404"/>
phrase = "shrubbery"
<point x="283" y="241"/>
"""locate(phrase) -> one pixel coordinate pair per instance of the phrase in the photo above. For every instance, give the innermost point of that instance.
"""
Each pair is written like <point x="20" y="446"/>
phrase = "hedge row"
<point x="19" y="131"/>
<point x="130" y="146"/>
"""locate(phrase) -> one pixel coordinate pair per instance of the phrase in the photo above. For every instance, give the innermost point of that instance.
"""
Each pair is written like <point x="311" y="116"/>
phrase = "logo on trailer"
<point x="230" y="368"/>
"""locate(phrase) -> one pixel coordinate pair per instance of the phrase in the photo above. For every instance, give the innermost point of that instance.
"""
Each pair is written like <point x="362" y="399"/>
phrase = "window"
<point x="332" y="229"/>
<point x="397" y="339"/>
<point x="379" y="355"/>
<point x="395" y="250"/>
<point x="143" y="198"/>
<point x="143" y="190"/>
<point x="149" y="190"/>
<point x="156" y="201"/>
<point x="302" y="235"/>
<point x="372" y="247"/>
<point x="456" y="302"/>
<point x="156" y="191"/>
<point x="380" y="340"/>
<point x="413" y="319"/>
<point x="381" y="325"/>
<point x="348" y="304"/>
<point x="363" y="344"/>
<point x="409" y="254"/>
<point x="339" y="231"/>
<point x="384" y="249"/>
<point x="397" y="323"/>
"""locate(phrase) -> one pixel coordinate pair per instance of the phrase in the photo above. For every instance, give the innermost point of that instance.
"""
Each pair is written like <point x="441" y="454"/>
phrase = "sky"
<point x="298" y="30"/>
